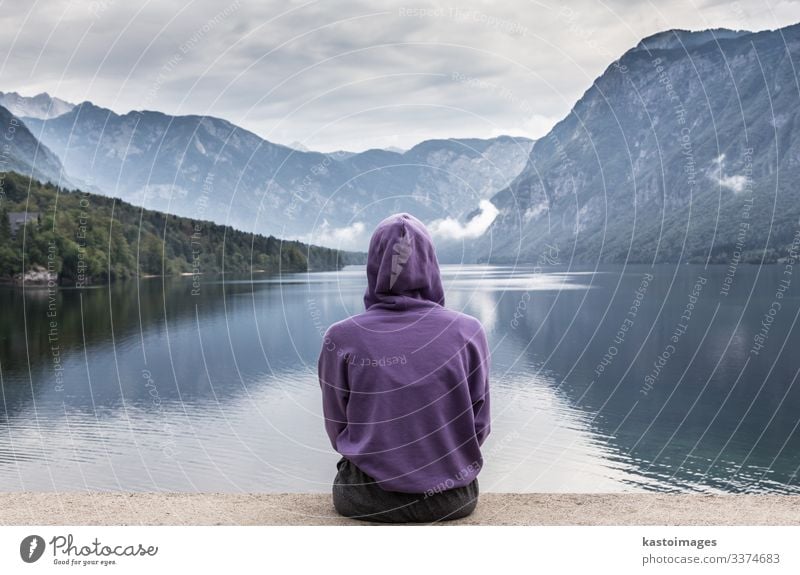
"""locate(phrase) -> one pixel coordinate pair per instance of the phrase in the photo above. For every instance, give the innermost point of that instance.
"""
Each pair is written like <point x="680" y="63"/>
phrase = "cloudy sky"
<point x="348" y="74"/>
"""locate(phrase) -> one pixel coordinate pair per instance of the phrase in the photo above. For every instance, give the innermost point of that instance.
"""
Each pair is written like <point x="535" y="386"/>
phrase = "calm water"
<point x="148" y="387"/>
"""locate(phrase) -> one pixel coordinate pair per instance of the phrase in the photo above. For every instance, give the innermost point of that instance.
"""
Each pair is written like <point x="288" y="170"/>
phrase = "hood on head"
<point x="402" y="264"/>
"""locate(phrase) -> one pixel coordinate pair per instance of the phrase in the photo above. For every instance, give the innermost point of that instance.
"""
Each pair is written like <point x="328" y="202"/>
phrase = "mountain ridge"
<point x="163" y="162"/>
<point x="42" y="105"/>
<point x="22" y="152"/>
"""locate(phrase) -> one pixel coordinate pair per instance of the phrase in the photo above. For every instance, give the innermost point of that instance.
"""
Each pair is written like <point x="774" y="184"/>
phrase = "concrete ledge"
<point x="316" y="509"/>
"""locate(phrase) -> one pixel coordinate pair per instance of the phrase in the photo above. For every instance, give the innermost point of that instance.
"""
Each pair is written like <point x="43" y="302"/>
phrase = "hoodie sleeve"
<point x="479" y="385"/>
<point x="332" y="372"/>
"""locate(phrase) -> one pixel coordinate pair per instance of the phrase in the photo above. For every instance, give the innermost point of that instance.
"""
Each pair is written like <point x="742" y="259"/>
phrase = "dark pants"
<point x="357" y="495"/>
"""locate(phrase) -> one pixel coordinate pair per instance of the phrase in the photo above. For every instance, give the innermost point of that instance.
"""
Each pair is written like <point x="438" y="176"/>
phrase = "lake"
<point x="604" y="379"/>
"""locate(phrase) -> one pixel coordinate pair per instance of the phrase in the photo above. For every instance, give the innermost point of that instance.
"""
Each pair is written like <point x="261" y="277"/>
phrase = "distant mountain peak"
<point x="41" y="106"/>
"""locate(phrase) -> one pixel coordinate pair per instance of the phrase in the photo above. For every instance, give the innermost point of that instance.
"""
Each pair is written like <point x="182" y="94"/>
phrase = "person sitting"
<point x="405" y="389"/>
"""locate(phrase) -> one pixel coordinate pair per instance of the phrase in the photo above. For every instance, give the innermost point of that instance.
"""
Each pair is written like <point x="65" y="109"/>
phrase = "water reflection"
<point x="149" y="387"/>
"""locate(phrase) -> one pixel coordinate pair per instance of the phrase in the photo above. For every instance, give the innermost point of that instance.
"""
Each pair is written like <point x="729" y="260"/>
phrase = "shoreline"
<point x="119" y="508"/>
<point x="17" y="282"/>
<point x="44" y="284"/>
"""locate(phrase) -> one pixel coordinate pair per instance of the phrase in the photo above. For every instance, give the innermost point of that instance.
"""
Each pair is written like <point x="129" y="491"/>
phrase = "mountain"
<point x="685" y="149"/>
<point x="685" y="39"/>
<point x="343" y="154"/>
<point x="198" y="166"/>
<point x="42" y="106"/>
<point x="22" y="152"/>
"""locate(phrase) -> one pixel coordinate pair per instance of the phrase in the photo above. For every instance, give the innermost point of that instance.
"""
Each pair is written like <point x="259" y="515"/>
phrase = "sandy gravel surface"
<point x="316" y="509"/>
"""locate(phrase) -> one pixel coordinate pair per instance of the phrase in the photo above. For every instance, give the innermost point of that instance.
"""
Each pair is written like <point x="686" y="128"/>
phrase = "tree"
<point x="5" y="226"/>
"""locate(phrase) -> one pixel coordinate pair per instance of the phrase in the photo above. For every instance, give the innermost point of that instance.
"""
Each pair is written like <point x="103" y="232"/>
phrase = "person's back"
<point x="405" y="388"/>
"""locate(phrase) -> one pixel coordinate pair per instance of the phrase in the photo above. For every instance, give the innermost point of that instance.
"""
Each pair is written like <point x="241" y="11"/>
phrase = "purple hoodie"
<point x="405" y="384"/>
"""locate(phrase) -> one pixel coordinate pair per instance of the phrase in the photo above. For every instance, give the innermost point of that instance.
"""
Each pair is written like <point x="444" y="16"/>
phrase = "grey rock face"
<point x="685" y="149"/>
<point x="21" y="152"/>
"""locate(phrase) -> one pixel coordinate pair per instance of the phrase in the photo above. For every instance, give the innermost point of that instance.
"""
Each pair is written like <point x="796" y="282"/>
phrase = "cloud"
<point x="351" y="237"/>
<point x="734" y="183"/>
<point x="452" y="229"/>
<point x="351" y="74"/>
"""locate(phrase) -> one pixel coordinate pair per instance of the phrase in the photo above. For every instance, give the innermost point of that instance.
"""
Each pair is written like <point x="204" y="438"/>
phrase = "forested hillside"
<point x="86" y="238"/>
